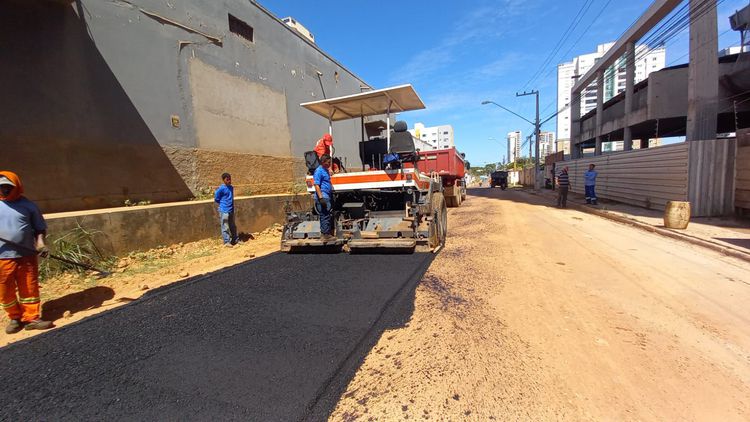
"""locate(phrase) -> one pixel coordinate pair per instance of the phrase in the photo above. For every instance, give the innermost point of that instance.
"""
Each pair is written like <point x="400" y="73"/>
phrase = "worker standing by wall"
<point x="224" y="196"/>
<point x="21" y="222"/>
<point x="563" y="183"/>
<point x="590" y="184"/>
<point x="324" y="197"/>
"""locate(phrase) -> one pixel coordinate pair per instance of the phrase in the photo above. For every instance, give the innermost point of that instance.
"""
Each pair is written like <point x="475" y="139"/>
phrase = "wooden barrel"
<point x="677" y="215"/>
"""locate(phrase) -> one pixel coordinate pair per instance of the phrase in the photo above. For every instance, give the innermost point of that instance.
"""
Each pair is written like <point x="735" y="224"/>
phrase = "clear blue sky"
<point x="457" y="54"/>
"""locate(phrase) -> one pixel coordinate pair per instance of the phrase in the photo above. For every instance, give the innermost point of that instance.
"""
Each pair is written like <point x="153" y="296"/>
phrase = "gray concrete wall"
<point x="87" y="117"/>
<point x="124" y="230"/>
<point x="666" y="97"/>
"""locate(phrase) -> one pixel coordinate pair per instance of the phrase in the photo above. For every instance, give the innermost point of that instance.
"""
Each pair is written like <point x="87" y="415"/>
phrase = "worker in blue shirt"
<point x="324" y="197"/>
<point x="224" y="196"/>
<point x="590" y="184"/>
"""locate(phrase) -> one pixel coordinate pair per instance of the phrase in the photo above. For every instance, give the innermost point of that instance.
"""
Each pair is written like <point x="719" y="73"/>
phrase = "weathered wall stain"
<point x="87" y="119"/>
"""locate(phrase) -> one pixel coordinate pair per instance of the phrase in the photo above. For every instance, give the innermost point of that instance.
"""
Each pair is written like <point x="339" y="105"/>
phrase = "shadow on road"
<point x="80" y="301"/>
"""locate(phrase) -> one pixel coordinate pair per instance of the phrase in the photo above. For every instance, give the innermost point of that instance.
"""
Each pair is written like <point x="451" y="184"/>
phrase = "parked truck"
<point x="451" y="166"/>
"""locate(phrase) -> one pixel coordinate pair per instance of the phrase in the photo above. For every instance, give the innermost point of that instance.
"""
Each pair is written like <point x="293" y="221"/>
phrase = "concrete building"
<point x="547" y="144"/>
<point x="647" y="60"/>
<point x="148" y="100"/>
<point x="698" y="101"/>
<point x="514" y="145"/>
<point x="290" y="21"/>
<point x="431" y="138"/>
<point x="735" y="49"/>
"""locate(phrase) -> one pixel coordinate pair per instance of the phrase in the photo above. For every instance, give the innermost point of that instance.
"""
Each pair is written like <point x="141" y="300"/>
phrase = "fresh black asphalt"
<point x="277" y="338"/>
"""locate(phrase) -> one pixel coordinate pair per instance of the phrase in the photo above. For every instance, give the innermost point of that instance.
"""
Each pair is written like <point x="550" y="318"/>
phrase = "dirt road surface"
<point x="536" y="313"/>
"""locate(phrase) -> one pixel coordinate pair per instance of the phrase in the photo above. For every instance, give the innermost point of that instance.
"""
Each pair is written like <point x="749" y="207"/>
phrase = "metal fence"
<point x="648" y="177"/>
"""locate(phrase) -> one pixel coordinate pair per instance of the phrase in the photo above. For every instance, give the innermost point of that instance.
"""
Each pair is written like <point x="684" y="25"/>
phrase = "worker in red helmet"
<point x="323" y="147"/>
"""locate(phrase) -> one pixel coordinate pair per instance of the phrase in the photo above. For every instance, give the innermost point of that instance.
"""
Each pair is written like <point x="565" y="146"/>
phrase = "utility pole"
<point x="537" y="181"/>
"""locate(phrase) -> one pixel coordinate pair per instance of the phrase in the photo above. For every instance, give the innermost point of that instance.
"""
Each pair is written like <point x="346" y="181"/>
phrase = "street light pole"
<point x="536" y="124"/>
<point x="537" y="181"/>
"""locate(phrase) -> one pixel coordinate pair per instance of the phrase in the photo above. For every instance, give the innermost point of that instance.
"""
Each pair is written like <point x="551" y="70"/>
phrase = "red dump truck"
<point x="451" y="166"/>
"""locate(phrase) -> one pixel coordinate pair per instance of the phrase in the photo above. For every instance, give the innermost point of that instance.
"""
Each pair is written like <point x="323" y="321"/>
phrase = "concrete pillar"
<point x="599" y="111"/>
<point x="575" y="124"/>
<point x="710" y="161"/>
<point x="703" y="73"/>
<point x="629" y="84"/>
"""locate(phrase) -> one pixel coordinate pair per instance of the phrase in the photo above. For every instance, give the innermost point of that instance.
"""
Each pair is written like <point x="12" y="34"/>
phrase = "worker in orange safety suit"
<point x="21" y="222"/>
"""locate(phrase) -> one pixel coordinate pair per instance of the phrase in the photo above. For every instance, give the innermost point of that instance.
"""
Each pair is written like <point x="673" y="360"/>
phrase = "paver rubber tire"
<point x="450" y="201"/>
<point x="439" y="223"/>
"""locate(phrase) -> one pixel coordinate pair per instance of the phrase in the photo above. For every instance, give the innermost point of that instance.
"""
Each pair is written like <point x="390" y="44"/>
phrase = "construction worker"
<point x="21" y="222"/>
<point x="324" y="197"/>
<point x="224" y="197"/>
<point x="590" y="184"/>
<point x="563" y="183"/>
<point x="323" y="147"/>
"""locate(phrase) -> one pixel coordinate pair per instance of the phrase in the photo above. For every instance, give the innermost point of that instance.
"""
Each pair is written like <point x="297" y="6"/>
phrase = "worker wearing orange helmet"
<point x="22" y="224"/>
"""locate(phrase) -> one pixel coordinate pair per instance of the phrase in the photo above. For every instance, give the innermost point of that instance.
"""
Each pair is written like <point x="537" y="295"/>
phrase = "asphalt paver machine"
<point x="388" y="205"/>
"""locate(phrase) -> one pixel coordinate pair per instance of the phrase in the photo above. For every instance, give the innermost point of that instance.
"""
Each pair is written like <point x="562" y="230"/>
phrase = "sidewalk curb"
<point x="725" y="250"/>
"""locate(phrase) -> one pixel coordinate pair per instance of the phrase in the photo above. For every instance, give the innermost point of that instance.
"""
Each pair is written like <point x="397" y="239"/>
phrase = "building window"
<point x="240" y="28"/>
<point x="445" y="133"/>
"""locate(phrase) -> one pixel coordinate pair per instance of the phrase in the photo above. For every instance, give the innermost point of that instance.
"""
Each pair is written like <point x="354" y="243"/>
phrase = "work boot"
<point x="13" y="326"/>
<point x="327" y="237"/>
<point x="228" y="245"/>
<point x="38" y="324"/>
<point x="594" y="202"/>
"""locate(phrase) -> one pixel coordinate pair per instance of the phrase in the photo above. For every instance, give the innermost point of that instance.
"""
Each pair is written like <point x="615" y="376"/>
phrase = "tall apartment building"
<point x="647" y="60"/>
<point x="432" y="138"/>
<point x="514" y="145"/>
<point x="547" y="144"/>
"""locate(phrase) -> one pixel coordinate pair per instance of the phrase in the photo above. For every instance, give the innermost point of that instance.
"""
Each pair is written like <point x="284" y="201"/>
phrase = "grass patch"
<point x="76" y="245"/>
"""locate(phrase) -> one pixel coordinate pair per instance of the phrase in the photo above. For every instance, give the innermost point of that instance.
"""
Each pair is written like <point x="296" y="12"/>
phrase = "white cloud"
<point x="480" y="24"/>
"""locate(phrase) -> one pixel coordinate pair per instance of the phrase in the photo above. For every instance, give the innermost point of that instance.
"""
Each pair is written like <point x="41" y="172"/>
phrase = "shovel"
<point x="20" y="247"/>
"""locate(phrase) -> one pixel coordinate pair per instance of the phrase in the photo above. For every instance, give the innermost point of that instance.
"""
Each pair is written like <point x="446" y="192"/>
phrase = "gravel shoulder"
<point x="535" y="313"/>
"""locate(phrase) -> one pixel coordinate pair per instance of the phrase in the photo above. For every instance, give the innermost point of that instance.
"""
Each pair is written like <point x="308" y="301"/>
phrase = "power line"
<point x="566" y="34"/>
<point x="584" y="33"/>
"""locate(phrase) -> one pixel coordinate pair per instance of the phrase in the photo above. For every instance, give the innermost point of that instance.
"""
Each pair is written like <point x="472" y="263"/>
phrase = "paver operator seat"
<point x="402" y="143"/>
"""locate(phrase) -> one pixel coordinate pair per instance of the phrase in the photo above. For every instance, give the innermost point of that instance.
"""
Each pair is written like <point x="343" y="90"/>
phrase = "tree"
<point x="484" y="170"/>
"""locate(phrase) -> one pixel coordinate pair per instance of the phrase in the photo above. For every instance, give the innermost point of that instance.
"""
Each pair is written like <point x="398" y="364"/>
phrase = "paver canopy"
<point x="371" y="103"/>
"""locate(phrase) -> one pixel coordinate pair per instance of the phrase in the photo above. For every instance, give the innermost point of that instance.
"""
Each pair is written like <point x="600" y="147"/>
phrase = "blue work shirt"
<point x="323" y="179"/>
<point x="20" y="221"/>
<point x="224" y="196"/>
<point x="590" y="177"/>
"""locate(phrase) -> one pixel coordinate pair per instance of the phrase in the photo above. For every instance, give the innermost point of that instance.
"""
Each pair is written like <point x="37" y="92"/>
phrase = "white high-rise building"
<point x="514" y="145"/>
<point x="647" y="60"/>
<point x="547" y="144"/>
<point x="432" y="138"/>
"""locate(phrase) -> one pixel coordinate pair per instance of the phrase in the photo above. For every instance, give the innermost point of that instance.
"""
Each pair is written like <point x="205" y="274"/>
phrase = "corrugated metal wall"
<point x="742" y="180"/>
<point x="523" y="177"/>
<point x="648" y="177"/>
